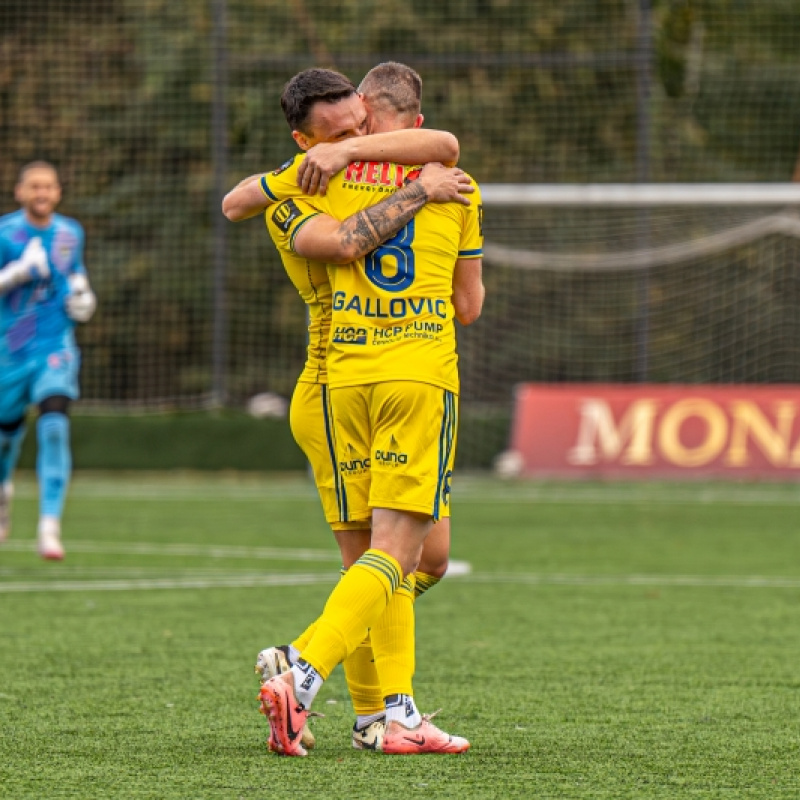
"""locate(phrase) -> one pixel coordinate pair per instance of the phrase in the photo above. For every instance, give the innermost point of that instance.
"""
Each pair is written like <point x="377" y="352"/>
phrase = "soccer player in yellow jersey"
<point x="393" y="378"/>
<point x="309" y="415"/>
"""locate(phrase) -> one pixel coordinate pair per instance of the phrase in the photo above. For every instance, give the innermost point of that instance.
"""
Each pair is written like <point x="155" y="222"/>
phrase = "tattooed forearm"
<point x="364" y="231"/>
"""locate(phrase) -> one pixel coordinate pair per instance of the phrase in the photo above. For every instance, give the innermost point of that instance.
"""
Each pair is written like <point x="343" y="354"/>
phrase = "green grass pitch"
<point x="611" y="641"/>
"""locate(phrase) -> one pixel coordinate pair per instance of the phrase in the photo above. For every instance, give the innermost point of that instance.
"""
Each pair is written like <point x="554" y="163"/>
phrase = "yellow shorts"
<point x="310" y="421"/>
<point x="396" y="443"/>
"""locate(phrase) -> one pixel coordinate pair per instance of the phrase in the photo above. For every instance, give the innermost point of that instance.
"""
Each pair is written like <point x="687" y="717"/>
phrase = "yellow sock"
<point x="301" y="642"/>
<point x="423" y="583"/>
<point x="393" y="642"/>
<point x="353" y="607"/>
<point x="362" y="680"/>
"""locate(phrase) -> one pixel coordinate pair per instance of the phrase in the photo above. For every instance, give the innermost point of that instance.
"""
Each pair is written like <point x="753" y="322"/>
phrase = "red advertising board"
<point x="646" y="430"/>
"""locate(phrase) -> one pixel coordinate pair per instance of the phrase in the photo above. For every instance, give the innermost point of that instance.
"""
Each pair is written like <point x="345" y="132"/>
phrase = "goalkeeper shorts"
<point x="37" y="377"/>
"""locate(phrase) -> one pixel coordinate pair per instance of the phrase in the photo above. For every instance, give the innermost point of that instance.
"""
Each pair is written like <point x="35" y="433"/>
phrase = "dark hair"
<point x="309" y="87"/>
<point x="31" y="165"/>
<point x="392" y="86"/>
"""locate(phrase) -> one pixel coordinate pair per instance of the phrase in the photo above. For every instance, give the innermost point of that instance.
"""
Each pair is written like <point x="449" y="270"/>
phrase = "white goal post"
<point x="772" y="209"/>
<point x="640" y="195"/>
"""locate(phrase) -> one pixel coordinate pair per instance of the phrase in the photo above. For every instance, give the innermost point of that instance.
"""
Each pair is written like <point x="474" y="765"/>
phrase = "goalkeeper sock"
<point x="53" y="463"/>
<point x="10" y="446"/>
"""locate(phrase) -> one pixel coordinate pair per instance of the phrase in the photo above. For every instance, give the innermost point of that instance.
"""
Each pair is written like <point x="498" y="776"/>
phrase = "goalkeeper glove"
<point x="81" y="301"/>
<point x="30" y="266"/>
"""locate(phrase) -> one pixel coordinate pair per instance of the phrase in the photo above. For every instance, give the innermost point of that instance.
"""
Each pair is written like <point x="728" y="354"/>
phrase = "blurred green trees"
<point x="118" y="95"/>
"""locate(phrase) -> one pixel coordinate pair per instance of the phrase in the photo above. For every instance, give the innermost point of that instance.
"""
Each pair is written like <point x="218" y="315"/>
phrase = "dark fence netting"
<point x="152" y="109"/>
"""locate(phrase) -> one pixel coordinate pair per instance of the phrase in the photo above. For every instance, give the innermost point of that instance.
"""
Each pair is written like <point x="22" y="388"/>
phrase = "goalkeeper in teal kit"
<point x="44" y="292"/>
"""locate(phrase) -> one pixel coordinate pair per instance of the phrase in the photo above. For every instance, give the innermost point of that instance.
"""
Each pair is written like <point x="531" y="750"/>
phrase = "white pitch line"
<point x="70" y="572"/>
<point x="700" y="581"/>
<point x="129" y="579"/>
<point x="468" y="490"/>
<point x="221" y="582"/>
<point x="142" y="578"/>
<point x="205" y="551"/>
<point x="172" y="490"/>
<point x="198" y="551"/>
<point x="228" y="580"/>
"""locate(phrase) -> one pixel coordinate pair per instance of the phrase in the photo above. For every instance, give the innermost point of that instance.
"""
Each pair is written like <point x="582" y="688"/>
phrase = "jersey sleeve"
<point x="471" y="244"/>
<point x="281" y="184"/>
<point x="285" y="220"/>
<point x="78" y="265"/>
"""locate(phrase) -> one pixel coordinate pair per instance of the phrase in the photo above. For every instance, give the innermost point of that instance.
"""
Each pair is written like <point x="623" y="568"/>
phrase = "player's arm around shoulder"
<point x="325" y="238"/>
<point x="407" y="146"/>
<point x="253" y="195"/>
<point x="245" y="200"/>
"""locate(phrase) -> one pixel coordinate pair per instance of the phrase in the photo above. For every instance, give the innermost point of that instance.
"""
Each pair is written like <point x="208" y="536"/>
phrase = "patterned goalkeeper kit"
<point x="39" y="357"/>
<point x="392" y="415"/>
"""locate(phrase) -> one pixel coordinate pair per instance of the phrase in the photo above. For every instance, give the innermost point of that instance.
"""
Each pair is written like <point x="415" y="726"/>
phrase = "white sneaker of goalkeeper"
<point x="49" y="536"/>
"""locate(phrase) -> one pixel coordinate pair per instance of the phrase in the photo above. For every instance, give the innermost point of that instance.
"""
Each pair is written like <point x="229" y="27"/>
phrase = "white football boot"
<point x="49" y="534"/>
<point x="370" y="737"/>
<point x="6" y="493"/>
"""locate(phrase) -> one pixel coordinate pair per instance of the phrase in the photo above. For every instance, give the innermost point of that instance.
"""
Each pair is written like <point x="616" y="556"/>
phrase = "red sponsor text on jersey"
<point x="375" y="173"/>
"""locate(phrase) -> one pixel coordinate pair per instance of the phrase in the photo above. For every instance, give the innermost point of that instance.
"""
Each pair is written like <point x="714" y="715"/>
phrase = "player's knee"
<point x="57" y="404"/>
<point x="436" y="567"/>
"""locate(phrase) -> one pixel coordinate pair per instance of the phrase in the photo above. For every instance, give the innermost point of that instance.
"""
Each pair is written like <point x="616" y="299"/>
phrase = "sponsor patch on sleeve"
<point x="285" y="214"/>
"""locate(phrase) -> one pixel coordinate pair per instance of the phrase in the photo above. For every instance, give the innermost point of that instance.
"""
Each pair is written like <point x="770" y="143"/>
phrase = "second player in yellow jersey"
<point x="393" y="316"/>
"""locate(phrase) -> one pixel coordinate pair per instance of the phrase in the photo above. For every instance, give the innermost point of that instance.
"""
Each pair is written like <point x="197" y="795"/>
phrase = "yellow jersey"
<point x="392" y="314"/>
<point x="310" y="278"/>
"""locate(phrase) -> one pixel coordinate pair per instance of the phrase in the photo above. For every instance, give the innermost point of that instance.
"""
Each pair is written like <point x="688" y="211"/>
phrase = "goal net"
<point x="630" y="283"/>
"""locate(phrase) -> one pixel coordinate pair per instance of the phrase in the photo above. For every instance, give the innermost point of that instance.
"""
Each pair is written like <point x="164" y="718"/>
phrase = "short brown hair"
<point x="394" y="87"/>
<point x="309" y="87"/>
<point x="32" y="165"/>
